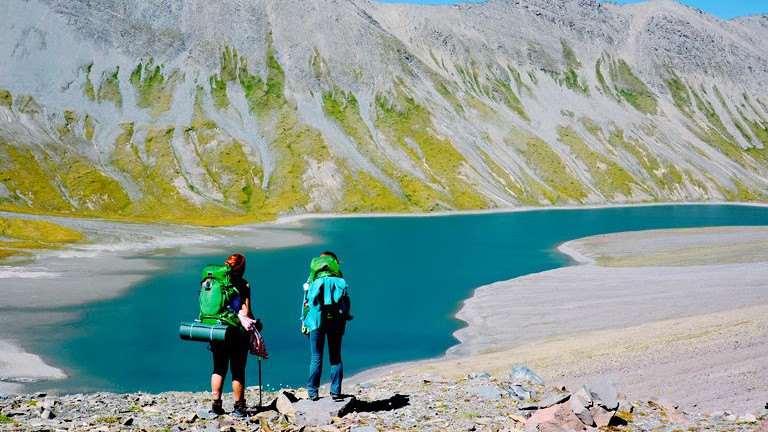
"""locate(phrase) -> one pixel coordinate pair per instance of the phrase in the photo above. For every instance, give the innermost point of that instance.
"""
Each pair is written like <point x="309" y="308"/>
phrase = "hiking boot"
<point x="240" y="410"/>
<point x="314" y="398"/>
<point x="338" y="397"/>
<point x="216" y="407"/>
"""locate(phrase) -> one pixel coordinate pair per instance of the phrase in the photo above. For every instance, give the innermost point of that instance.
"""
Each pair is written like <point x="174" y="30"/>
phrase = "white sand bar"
<point x="110" y="262"/>
<point x="670" y="323"/>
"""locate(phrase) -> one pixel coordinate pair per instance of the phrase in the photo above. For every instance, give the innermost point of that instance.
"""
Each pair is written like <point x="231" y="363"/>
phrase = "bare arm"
<point x="245" y="308"/>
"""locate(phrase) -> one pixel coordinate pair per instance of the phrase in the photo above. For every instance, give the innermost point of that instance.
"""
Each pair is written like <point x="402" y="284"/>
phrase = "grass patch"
<point x="30" y="178"/>
<point x="38" y="231"/>
<point x="154" y="86"/>
<point x="631" y="88"/>
<point x="109" y="88"/>
<point x="550" y="168"/>
<point x="608" y="176"/>
<point x="403" y="121"/>
<point x="6" y="98"/>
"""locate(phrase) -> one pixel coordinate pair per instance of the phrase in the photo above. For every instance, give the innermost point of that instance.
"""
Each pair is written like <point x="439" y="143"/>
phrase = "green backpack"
<point x="216" y="295"/>
<point x="323" y="266"/>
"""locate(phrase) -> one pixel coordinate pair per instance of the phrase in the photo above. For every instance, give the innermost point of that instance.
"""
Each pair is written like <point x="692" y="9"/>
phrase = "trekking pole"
<point x="260" y="382"/>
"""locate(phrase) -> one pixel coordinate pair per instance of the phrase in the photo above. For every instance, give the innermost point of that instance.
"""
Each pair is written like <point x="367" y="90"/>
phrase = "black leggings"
<point x="231" y="352"/>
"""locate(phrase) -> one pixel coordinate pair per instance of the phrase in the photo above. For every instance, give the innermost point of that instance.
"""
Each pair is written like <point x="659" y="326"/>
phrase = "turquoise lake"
<point x="407" y="276"/>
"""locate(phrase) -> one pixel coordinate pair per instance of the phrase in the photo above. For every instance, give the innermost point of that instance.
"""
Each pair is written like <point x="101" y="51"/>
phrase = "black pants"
<point x="233" y="351"/>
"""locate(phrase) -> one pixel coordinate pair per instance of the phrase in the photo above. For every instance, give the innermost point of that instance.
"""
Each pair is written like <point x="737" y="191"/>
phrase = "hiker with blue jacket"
<point x="325" y="313"/>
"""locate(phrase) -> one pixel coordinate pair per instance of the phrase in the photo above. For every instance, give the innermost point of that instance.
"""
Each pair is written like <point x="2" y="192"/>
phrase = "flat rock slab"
<point x="486" y="392"/>
<point x="320" y="412"/>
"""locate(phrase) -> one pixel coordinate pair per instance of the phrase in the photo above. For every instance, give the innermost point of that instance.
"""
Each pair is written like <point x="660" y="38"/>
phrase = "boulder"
<point x="603" y="392"/>
<point x="486" y="392"/>
<point x="556" y="418"/>
<point x="554" y="399"/>
<point x="523" y="374"/>
<point x="601" y="416"/>
<point x="320" y="412"/>
<point x="478" y="375"/>
<point x="581" y="410"/>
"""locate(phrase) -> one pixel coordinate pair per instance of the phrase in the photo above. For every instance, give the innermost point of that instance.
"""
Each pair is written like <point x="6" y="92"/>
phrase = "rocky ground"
<point x="519" y="401"/>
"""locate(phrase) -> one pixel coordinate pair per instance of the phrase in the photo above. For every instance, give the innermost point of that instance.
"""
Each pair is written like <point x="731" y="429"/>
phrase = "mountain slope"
<point x="239" y="111"/>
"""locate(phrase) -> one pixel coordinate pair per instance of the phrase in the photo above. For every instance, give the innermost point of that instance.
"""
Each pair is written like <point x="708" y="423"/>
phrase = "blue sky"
<point x="720" y="8"/>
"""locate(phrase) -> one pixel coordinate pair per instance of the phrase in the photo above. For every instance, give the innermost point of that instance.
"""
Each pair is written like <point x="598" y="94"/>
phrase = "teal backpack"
<point x="216" y="293"/>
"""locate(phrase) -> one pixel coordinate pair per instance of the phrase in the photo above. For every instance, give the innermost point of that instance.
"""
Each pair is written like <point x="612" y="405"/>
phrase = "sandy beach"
<point x="656" y="312"/>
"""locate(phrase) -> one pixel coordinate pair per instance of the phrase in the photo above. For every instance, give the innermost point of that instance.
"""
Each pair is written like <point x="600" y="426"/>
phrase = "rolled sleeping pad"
<point x="196" y="331"/>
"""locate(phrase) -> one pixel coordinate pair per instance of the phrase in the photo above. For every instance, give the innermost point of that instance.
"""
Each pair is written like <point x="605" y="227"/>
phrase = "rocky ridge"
<point x="241" y="111"/>
<point x="479" y="402"/>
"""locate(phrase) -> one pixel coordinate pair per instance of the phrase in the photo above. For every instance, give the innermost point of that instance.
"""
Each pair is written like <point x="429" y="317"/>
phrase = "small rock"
<point x="47" y="414"/>
<point x="748" y="418"/>
<point x="367" y="385"/>
<point x="485" y="392"/>
<point x="41" y="395"/>
<point x="329" y="428"/>
<point x="517" y="418"/>
<point x="554" y="400"/>
<point x="284" y="405"/>
<point x="478" y="375"/>
<point x="522" y="374"/>
<point x="206" y="415"/>
<point x="128" y="421"/>
<point x="528" y="406"/>
<point x="364" y="429"/>
<point x="518" y="392"/>
<point x="583" y="394"/>
<point x="190" y="418"/>
<point x="48" y="403"/>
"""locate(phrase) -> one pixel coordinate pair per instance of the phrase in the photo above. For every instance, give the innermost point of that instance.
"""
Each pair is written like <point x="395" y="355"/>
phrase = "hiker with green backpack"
<point x="325" y="312"/>
<point x="225" y="295"/>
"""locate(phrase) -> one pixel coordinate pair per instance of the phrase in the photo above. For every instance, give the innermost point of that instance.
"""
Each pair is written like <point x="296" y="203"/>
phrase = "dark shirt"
<point x="244" y="291"/>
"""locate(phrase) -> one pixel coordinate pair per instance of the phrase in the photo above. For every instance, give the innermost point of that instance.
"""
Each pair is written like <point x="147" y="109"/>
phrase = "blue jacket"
<point x="334" y="289"/>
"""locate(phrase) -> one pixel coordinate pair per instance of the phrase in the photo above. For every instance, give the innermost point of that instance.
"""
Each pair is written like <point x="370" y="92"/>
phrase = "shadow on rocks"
<point x="395" y="402"/>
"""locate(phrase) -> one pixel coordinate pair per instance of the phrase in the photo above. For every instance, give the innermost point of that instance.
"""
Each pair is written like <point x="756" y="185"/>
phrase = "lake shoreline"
<point x="123" y="251"/>
<point x="660" y="331"/>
